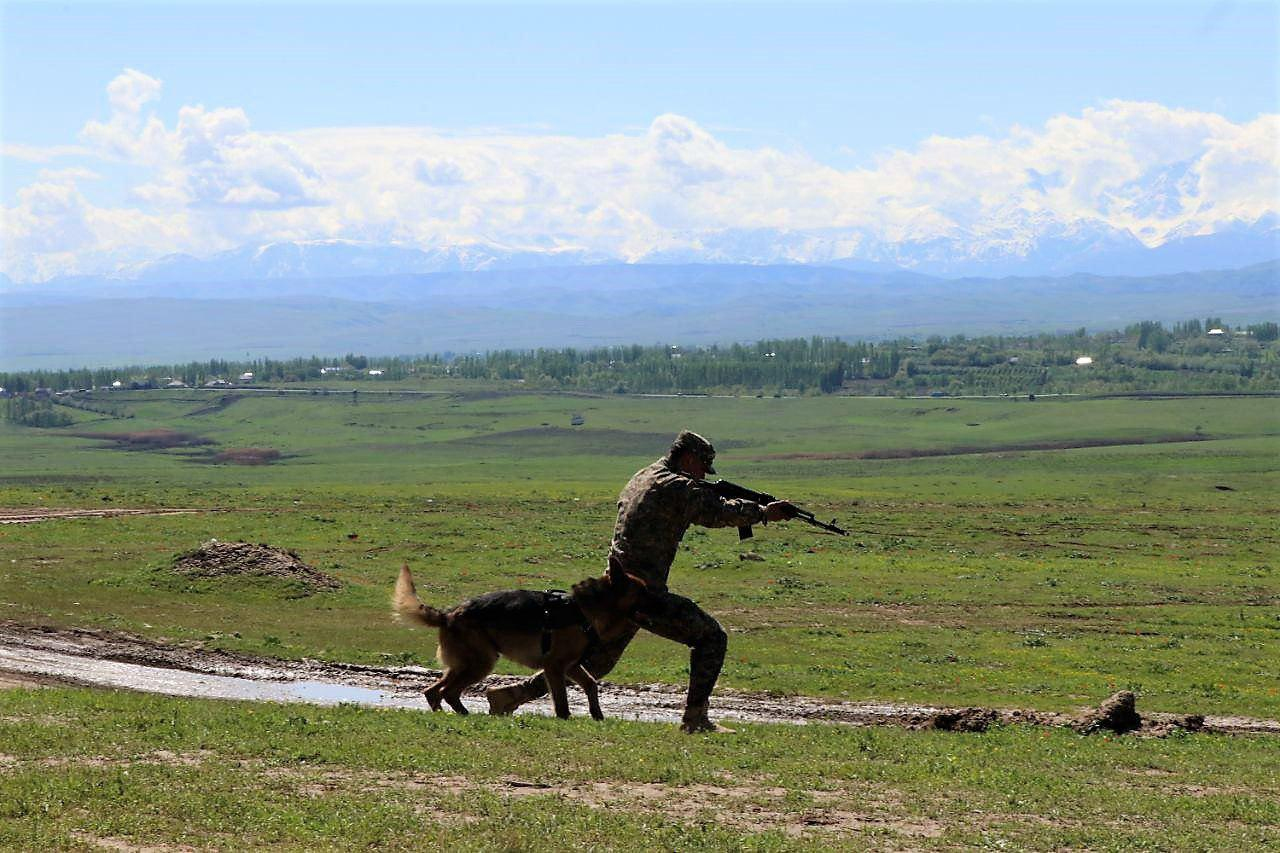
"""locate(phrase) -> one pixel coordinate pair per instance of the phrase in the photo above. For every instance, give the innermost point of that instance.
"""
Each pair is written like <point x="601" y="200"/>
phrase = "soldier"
<point x="654" y="511"/>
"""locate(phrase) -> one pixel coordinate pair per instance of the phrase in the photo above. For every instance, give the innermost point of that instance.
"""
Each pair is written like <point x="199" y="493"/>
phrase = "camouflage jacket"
<point x="654" y="511"/>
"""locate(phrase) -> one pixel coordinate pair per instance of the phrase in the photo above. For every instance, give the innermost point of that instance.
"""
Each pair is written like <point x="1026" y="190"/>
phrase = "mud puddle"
<point x="27" y="516"/>
<point x="108" y="660"/>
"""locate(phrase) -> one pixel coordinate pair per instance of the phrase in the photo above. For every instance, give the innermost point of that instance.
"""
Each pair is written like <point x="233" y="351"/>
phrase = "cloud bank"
<point x="212" y="182"/>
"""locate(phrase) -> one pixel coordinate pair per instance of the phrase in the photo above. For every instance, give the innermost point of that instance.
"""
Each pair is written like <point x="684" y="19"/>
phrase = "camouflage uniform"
<point x="654" y="510"/>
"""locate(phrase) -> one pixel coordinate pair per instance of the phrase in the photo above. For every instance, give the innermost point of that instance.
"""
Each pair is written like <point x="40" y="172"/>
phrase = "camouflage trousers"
<point x="667" y="615"/>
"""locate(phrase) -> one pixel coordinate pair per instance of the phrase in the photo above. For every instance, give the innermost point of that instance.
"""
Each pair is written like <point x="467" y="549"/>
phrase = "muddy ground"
<point x="28" y="515"/>
<point x="97" y="658"/>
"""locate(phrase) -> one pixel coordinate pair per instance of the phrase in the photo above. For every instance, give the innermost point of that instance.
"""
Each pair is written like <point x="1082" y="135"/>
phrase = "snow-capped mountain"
<point x="341" y="259"/>
<point x="1022" y="244"/>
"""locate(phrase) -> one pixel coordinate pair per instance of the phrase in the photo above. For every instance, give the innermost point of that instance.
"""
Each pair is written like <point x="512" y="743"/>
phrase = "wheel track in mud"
<point x="114" y="660"/>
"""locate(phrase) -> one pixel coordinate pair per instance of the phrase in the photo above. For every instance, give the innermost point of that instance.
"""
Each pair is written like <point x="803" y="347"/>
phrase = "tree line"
<point x="1199" y="355"/>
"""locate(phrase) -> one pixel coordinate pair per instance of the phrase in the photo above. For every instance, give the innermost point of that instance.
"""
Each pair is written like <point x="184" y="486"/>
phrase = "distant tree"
<point x="1265" y="331"/>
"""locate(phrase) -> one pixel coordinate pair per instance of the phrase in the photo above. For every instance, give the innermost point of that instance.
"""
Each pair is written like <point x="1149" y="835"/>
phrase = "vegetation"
<point x="1004" y="552"/>
<point x="149" y="772"/>
<point x="1194" y="356"/>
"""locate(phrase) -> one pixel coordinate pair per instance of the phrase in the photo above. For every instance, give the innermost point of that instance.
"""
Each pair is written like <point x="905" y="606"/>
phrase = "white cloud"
<point x="211" y="157"/>
<point x="673" y="187"/>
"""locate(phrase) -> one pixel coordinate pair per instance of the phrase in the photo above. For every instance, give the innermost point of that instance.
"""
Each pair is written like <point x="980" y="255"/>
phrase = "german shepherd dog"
<point x="518" y="623"/>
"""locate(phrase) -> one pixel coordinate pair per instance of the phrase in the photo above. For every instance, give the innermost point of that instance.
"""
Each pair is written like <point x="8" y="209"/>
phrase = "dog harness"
<point x="559" y="610"/>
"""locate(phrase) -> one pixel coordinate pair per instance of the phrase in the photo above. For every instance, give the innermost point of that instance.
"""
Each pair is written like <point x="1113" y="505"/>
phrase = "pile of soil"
<point x="221" y="559"/>
<point x="964" y="720"/>
<point x="248" y="455"/>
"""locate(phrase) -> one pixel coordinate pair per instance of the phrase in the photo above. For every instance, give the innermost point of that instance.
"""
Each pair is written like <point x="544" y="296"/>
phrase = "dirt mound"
<point x="222" y="559"/>
<point x="248" y="455"/>
<point x="964" y="720"/>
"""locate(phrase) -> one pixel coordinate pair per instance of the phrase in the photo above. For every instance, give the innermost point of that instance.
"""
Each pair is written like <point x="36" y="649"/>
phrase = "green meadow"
<point x="1003" y="553"/>
<point x="145" y="772"/>
<point x="1007" y="553"/>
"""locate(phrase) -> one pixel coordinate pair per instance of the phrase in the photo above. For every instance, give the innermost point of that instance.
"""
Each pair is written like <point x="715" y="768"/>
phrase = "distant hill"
<point x="104" y="322"/>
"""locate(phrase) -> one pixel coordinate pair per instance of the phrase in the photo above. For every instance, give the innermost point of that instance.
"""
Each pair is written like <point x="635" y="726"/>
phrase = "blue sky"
<point x="844" y="85"/>
<point x="828" y="77"/>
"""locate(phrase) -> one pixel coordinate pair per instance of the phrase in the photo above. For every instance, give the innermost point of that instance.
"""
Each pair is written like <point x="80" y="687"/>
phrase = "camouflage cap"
<point x="696" y="444"/>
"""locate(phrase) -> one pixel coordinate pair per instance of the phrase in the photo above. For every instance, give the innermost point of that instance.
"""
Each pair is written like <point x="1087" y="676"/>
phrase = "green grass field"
<point x="155" y="771"/>
<point x="1137" y="549"/>
<point x="1043" y="578"/>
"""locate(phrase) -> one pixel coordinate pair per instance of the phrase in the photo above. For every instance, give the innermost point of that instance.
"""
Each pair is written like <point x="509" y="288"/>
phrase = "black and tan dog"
<point x="541" y="630"/>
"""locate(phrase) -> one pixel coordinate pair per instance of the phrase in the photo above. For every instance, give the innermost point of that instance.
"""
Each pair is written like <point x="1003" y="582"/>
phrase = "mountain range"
<point x="157" y="319"/>
<point x="1020" y="245"/>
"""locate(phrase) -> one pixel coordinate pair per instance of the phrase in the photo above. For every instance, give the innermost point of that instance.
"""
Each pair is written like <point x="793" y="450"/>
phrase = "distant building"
<point x="117" y="384"/>
<point x="375" y="372"/>
<point x="247" y="376"/>
<point x="217" y="383"/>
<point x="175" y="383"/>
<point x="1216" y="332"/>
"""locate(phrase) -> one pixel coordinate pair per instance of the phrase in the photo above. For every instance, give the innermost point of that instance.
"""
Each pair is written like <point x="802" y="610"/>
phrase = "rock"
<point x="1118" y="714"/>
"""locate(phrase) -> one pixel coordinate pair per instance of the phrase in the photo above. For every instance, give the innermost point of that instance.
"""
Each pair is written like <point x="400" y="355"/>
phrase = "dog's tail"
<point x="405" y="602"/>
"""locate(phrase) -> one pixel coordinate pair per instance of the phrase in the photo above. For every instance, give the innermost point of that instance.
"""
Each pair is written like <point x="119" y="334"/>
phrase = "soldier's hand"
<point x="779" y="511"/>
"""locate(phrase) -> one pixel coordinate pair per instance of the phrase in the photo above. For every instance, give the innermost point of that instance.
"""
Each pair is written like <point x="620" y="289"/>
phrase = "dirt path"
<point x="29" y="515"/>
<point x="119" y="661"/>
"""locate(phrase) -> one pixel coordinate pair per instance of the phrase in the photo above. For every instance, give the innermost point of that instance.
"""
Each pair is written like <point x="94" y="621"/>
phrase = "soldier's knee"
<point x="716" y="640"/>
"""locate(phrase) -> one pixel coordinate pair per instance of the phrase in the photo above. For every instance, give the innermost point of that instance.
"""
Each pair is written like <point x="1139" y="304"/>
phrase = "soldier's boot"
<point x="504" y="700"/>
<point x="705" y="661"/>
<point x="696" y="721"/>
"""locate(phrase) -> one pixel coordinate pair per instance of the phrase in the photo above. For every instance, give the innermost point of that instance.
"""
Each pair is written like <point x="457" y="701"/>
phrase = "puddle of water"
<point x="328" y="693"/>
<point x="647" y="704"/>
<point x="178" y="682"/>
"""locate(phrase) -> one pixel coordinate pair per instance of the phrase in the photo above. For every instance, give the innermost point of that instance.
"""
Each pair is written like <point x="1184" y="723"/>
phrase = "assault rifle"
<point x="733" y="491"/>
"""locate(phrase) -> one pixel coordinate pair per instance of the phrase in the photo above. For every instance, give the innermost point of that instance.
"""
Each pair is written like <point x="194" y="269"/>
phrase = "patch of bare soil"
<point x="248" y="455"/>
<point x="748" y="805"/>
<point x="100" y="842"/>
<point x="964" y="450"/>
<point x="159" y="756"/>
<point x="148" y="439"/>
<point x="18" y="681"/>
<point x="220" y="559"/>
